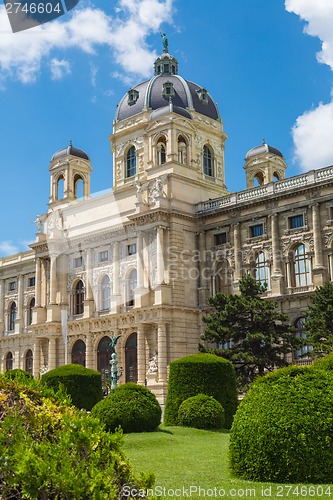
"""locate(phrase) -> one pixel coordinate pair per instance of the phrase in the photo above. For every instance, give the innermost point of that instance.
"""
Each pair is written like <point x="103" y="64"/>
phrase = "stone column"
<point x="89" y="298"/>
<point x="89" y="352"/>
<point x="237" y="251"/>
<point x="53" y="279"/>
<point x="2" y="312"/>
<point x="116" y="298"/>
<point x="89" y="268"/>
<point x="160" y="255"/>
<point x="36" y="358"/>
<point x="276" y="246"/>
<point x="162" y="352"/>
<point x="139" y="259"/>
<point x="38" y="283"/>
<point x="289" y="283"/>
<point x="203" y="290"/>
<point x="141" y="355"/>
<point x="52" y="353"/>
<point x="20" y="308"/>
<point x="317" y="241"/>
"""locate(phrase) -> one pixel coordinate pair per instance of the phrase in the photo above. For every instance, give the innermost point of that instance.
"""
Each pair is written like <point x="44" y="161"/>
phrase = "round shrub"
<point x="324" y="363"/>
<point x="201" y="412"/>
<point x="132" y="407"/>
<point x="201" y="374"/>
<point x="49" y="449"/>
<point x="84" y="386"/>
<point x="283" y="428"/>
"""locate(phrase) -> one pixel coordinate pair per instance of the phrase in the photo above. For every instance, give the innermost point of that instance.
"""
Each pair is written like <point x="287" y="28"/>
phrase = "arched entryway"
<point x="104" y="352"/>
<point x="79" y="353"/>
<point x="131" y="359"/>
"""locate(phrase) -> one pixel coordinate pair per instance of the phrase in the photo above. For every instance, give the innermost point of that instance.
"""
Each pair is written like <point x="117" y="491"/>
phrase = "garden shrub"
<point x="49" y="449"/>
<point x="283" y="428"/>
<point x="17" y="373"/>
<point x="201" y="412"/>
<point x="84" y="386"/>
<point x="201" y="374"/>
<point x="324" y="363"/>
<point x="132" y="407"/>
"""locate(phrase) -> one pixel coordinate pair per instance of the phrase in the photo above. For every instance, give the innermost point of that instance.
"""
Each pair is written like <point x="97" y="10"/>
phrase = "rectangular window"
<point x="12" y="286"/>
<point x="220" y="239"/>
<point x="131" y="249"/>
<point x="103" y="256"/>
<point x="257" y="230"/>
<point x="77" y="262"/>
<point x="296" y="221"/>
<point x="32" y="281"/>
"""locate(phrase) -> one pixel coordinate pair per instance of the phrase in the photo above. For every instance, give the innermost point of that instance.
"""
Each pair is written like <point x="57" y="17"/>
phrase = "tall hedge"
<point x="84" y="386"/>
<point x="283" y="428"/>
<point x="201" y="374"/>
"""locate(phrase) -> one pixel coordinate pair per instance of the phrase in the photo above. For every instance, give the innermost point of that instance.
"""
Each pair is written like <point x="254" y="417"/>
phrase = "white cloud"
<point x="93" y="74"/>
<point x="7" y="248"/>
<point x="312" y="134"/>
<point x="59" y="68"/>
<point x="313" y="131"/>
<point x="23" y="54"/>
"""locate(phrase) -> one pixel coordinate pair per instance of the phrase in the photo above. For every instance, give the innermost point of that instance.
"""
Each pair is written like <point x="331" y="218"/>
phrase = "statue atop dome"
<point x="165" y="42"/>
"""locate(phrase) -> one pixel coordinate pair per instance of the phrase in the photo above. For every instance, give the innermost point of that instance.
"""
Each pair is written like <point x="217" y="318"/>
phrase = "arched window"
<point x="222" y="277"/>
<point x="131" y="359"/>
<point x="60" y="187"/>
<point x="258" y="179"/>
<point x="131" y="162"/>
<point x="9" y="361"/>
<point x="276" y="176"/>
<point x="79" y="353"/>
<point x="303" y="352"/>
<point x="208" y="161"/>
<point x="78" y="187"/>
<point x="30" y="310"/>
<point x="301" y="267"/>
<point x="261" y="269"/>
<point x="28" y="361"/>
<point x="161" y="151"/>
<point x="105" y="293"/>
<point x="182" y="150"/>
<point x="12" y="316"/>
<point x="79" y="298"/>
<point x="132" y="281"/>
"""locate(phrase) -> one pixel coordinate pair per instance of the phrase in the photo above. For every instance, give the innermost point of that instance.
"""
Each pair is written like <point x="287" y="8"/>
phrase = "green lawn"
<point x="185" y="460"/>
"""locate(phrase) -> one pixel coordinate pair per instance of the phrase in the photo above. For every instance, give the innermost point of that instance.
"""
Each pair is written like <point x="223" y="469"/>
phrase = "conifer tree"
<point x="249" y="330"/>
<point x="319" y="325"/>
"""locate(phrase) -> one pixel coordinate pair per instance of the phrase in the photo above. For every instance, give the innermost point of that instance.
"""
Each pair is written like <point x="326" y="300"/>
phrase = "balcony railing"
<point x="303" y="180"/>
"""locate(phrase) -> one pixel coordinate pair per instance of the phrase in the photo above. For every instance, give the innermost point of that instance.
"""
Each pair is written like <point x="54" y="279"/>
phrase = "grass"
<point x="185" y="460"/>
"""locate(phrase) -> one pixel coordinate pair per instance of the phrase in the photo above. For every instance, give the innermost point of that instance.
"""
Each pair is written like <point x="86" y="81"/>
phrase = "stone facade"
<point x="141" y="261"/>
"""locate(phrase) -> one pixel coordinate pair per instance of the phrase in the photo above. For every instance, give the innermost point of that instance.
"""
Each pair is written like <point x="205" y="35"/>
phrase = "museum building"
<point x="140" y="261"/>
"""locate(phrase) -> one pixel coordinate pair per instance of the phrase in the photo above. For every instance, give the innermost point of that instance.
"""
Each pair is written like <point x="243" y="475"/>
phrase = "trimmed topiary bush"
<point x="324" y="363"/>
<point x="201" y="374"/>
<point x="132" y="407"/>
<point x="201" y="412"/>
<point x="49" y="449"/>
<point x="283" y="428"/>
<point x="84" y="386"/>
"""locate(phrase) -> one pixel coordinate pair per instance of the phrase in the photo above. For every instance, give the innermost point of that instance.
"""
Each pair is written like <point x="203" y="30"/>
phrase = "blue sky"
<point x="268" y="65"/>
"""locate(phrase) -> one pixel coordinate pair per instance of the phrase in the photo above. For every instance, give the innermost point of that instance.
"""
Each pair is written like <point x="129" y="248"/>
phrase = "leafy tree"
<point x="319" y="325"/>
<point x="249" y="331"/>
